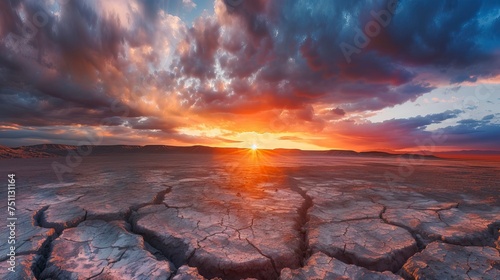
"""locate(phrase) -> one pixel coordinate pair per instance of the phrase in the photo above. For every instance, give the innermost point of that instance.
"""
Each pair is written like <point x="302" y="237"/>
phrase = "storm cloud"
<point x="140" y="67"/>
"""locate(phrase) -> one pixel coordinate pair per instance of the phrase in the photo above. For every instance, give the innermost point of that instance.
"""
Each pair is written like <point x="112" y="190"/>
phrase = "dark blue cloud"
<point x="413" y="133"/>
<point x="421" y="122"/>
<point x="478" y="135"/>
<point x="292" y="49"/>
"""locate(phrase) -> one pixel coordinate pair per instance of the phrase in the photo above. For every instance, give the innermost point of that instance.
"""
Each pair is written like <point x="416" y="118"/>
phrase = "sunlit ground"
<point x="249" y="169"/>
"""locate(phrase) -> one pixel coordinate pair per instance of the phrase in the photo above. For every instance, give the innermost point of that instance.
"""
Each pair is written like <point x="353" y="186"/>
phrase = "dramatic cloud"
<point x="182" y="72"/>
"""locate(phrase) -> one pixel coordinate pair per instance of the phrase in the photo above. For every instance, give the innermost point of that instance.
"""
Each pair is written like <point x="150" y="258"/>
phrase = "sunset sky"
<point x="361" y="75"/>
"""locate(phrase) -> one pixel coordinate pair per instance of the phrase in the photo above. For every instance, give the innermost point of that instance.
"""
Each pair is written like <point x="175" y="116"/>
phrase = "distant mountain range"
<point x="58" y="150"/>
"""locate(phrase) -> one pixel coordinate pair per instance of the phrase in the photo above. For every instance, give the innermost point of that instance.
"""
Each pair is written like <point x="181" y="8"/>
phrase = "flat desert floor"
<point x="253" y="216"/>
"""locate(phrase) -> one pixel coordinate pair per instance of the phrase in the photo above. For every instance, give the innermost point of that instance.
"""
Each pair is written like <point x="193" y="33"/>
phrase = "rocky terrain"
<point x="251" y="216"/>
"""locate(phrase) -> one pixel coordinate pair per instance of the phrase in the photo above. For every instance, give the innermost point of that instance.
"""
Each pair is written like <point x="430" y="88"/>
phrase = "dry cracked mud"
<point x="230" y="231"/>
<point x="321" y="266"/>
<point x="103" y="250"/>
<point x="228" y="217"/>
<point x="447" y="261"/>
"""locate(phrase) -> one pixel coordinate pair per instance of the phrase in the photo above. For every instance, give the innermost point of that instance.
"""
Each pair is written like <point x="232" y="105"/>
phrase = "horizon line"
<point x="427" y="152"/>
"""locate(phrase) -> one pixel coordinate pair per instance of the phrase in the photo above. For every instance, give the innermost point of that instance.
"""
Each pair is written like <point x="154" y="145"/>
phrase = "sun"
<point x="254" y="147"/>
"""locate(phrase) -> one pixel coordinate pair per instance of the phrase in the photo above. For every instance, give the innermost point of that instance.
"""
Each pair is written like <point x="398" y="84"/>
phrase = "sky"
<point x="360" y="75"/>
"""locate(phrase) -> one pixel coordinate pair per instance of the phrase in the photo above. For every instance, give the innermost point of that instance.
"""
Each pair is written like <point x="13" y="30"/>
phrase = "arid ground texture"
<point x="254" y="215"/>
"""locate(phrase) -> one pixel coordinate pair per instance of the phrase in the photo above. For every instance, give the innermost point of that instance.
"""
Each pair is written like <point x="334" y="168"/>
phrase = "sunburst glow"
<point x="254" y="147"/>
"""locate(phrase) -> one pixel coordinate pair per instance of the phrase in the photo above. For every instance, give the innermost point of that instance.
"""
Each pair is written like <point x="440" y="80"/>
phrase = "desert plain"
<point x="253" y="215"/>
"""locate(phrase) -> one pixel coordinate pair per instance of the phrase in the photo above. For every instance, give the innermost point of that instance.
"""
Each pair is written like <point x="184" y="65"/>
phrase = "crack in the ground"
<point x="441" y="219"/>
<point x="302" y="222"/>
<point x="37" y="216"/>
<point x="494" y="229"/>
<point x="384" y="208"/>
<point x="421" y="242"/>
<point x="156" y="243"/>
<point x="43" y="257"/>
<point x="160" y="196"/>
<point x="45" y="251"/>
<point x="468" y="264"/>
<point x="266" y="256"/>
<point x="94" y="276"/>
<point x="416" y="237"/>
<point x="188" y="260"/>
<point x="149" y="239"/>
<point x="156" y="200"/>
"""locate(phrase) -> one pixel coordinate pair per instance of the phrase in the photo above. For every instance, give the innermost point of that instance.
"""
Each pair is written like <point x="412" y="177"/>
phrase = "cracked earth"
<point x="230" y="217"/>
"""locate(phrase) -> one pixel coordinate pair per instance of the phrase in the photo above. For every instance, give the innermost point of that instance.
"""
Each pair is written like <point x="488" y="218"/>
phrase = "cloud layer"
<point x="140" y="72"/>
